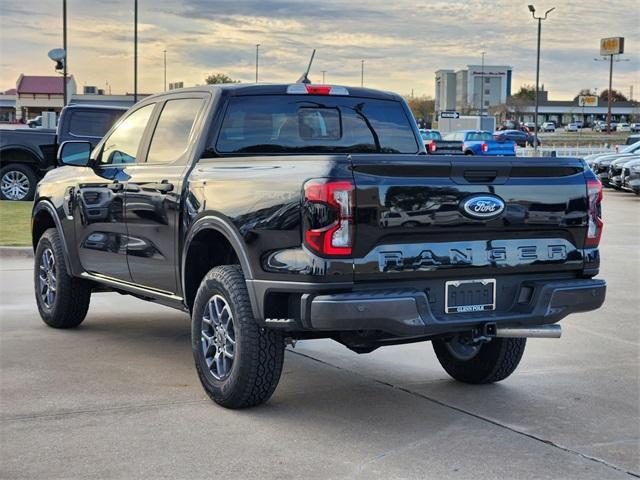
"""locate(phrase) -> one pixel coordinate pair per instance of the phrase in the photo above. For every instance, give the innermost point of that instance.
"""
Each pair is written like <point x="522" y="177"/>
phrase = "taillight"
<point x="328" y="223"/>
<point x="432" y="146"/>
<point x="485" y="148"/>
<point x="595" y="223"/>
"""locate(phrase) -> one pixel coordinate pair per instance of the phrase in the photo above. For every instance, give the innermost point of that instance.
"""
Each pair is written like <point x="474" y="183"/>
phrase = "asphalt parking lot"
<point x="119" y="397"/>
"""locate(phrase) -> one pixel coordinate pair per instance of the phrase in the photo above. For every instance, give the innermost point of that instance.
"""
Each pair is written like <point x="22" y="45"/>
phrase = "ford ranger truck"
<point x="276" y="213"/>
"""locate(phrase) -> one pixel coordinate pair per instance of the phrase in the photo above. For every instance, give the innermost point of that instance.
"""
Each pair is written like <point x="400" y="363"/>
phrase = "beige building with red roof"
<point x="36" y="94"/>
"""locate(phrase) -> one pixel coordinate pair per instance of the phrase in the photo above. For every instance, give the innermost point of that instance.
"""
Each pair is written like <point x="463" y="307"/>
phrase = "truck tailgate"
<point x="411" y="217"/>
<point x="445" y="147"/>
<point x="495" y="147"/>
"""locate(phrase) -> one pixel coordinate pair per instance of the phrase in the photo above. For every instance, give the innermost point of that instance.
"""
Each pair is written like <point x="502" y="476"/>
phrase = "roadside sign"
<point x="449" y="115"/>
<point x="611" y="46"/>
<point x="587" y="101"/>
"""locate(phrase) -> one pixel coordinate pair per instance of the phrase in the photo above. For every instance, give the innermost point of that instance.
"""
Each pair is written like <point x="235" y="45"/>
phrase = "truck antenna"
<point x="305" y="78"/>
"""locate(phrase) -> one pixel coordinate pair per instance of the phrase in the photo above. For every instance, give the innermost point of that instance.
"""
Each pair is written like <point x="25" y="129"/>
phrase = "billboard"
<point x="588" y="101"/>
<point x="611" y="46"/>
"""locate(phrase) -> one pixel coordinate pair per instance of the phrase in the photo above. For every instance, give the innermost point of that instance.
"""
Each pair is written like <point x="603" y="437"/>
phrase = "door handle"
<point x="116" y="187"/>
<point x="163" y="187"/>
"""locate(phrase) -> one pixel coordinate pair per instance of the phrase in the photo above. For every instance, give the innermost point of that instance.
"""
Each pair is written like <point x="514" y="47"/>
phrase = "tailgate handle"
<point x="480" y="176"/>
<point x="468" y="172"/>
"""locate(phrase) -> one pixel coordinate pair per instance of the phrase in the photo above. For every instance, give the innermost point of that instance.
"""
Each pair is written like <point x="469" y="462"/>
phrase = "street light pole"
<point x="165" y="69"/>
<point x="482" y="88"/>
<point x="535" y="115"/>
<point x="257" y="52"/>
<point x="135" y="51"/>
<point x="66" y="55"/>
<point x="323" y="72"/>
<point x="362" y="73"/>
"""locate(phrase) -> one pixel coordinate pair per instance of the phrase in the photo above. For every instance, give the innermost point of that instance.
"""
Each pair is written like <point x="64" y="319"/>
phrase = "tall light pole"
<point x="482" y="87"/>
<point x="165" y="69"/>
<point x="323" y="72"/>
<point x="257" y="53"/>
<point x="66" y="55"/>
<point x="609" y="96"/>
<point x="135" y="51"/>
<point x="535" y="116"/>
<point x="362" y="73"/>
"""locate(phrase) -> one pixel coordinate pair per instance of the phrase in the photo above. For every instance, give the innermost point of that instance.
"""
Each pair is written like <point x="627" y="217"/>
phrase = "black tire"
<point x="494" y="361"/>
<point x="23" y="172"/>
<point x="258" y="353"/>
<point x="72" y="295"/>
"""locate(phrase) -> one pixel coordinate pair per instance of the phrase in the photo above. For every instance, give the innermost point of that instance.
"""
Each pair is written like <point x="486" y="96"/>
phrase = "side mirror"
<point x="74" y="153"/>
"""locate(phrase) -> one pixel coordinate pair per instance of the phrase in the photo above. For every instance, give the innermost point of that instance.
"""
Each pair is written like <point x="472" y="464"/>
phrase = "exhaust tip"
<point x="539" y="331"/>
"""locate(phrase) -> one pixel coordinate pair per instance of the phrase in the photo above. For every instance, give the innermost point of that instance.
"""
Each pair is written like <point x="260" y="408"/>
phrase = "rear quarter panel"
<point x="261" y="199"/>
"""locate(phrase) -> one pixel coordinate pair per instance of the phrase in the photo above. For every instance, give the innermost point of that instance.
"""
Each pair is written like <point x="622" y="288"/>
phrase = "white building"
<point x="473" y="88"/>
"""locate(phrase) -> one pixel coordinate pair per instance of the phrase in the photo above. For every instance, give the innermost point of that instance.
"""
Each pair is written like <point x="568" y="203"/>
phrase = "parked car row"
<point x="469" y="142"/>
<point x="620" y="171"/>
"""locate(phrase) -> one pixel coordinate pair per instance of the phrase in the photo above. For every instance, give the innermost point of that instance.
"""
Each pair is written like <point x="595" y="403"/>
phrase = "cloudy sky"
<point x="402" y="41"/>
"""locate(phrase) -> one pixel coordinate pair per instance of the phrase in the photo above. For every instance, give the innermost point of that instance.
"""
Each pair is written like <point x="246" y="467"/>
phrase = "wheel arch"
<point x="15" y="154"/>
<point x="43" y="217"/>
<point x="199" y="257"/>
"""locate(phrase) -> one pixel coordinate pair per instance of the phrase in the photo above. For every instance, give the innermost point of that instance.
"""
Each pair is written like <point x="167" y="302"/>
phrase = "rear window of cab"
<point x="314" y="124"/>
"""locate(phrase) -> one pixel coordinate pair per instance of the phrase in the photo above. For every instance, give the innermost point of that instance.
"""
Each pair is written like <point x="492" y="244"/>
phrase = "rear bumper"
<point x="407" y="312"/>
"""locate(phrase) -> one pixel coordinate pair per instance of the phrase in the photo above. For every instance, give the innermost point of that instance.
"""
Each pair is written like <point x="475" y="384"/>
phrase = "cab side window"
<point x="121" y="147"/>
<point x="171" y="137"/>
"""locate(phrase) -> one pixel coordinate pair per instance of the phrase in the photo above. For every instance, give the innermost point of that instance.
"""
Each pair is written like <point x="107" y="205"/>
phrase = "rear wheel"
<point x="480" y="363"/>
<point x="17" y="182"/>
<point x="62" y="300"/>
<point x="239" y="363"/>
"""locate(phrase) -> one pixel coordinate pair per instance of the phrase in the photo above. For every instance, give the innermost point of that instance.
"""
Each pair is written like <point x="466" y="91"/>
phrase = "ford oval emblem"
<point x="483" y="207"/>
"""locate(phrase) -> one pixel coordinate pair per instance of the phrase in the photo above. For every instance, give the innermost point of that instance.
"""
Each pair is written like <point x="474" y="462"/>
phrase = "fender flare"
<point x="37" y="156"/>
<point x="50" y="209"/>
<point x="218" y="224"/>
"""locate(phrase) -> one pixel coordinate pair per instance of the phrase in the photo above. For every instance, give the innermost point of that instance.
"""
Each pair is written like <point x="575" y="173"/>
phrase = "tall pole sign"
<point x="608" y="48"/>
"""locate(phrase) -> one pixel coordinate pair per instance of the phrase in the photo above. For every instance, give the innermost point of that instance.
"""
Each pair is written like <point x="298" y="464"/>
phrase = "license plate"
<point x="465" y="296"/>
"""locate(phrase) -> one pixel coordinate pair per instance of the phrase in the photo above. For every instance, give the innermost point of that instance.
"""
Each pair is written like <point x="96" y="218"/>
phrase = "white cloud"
<point x="402" y="42"/>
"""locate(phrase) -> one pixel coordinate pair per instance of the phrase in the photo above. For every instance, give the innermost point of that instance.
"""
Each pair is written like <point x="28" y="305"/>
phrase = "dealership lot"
<point x="119" y="397"/>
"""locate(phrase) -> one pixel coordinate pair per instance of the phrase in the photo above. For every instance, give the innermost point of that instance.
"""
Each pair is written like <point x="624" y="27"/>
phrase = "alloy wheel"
<point x="218" y="338"/>
<point x="47" y="278"/>
<point x="14" y="185"/>
<point x="461" y="350"/>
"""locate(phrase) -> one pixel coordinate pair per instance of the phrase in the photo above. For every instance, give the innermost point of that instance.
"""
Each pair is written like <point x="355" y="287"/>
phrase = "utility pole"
<point x="257" y="52"/>
<point x="535" y="117"/>
<point x="165" y="69"/>
<point x="362" y="73"/>
<point x="135" y="51"/>
<point x="66" y="54"/>
<point x="482" y="88"/>
<point x="323" y="72"/>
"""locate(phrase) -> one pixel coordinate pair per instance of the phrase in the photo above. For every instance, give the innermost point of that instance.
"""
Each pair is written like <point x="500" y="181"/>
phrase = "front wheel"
<point x="238" y="362"/>
<point x="480" y="363"/>
<point x="62" y="300"/>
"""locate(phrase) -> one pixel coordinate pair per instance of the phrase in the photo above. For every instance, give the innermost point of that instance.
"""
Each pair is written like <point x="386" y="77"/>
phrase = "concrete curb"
<point x="16" y="252"/>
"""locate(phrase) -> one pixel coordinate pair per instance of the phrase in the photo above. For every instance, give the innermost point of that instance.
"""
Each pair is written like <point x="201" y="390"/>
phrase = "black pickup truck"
<point x="270" y="213"/>
<point x="27" y="154"/>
